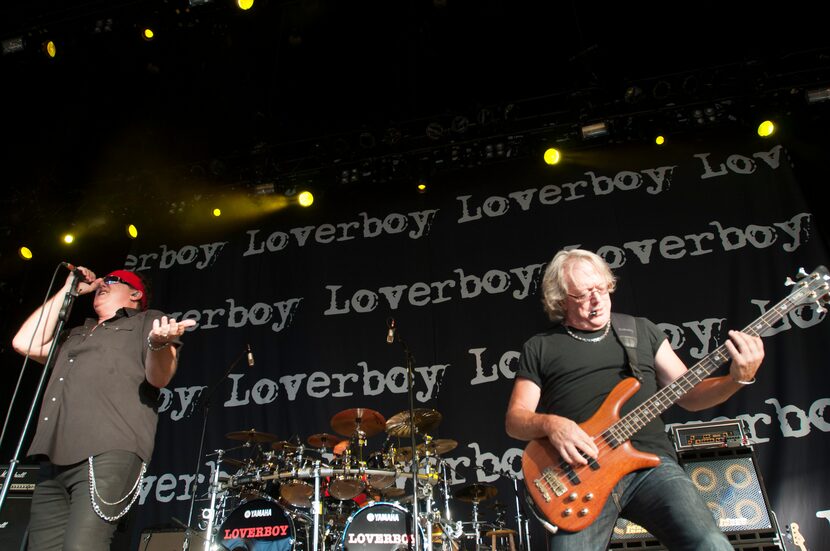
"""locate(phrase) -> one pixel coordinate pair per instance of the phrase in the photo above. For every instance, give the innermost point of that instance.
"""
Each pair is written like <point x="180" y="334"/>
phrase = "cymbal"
<point x="435" y="447"/>
<point x="252" y="436"/>
<point x="282" y="445"/>
<point x="323" y="440"/>
<point x="426" y="421"/>
<point x="475" y="493"/>
<point x="235" y="462"/>
<point x="340" y="447"/>
<point x="349" y="421"/>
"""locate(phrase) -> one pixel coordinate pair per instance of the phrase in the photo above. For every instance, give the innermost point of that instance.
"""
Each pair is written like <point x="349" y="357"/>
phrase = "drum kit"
<point x="330" y="493"/>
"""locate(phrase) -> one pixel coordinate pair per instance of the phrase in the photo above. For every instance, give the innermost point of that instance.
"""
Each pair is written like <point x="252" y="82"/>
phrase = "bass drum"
<point x="380" y="526"/>
<point x="259" y="525"/>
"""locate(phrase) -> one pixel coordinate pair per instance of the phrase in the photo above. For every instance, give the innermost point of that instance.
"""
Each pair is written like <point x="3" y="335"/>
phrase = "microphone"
<point x="71" y="267"/>
<point x="390" y="334"/>
<point x="250" y="357"/>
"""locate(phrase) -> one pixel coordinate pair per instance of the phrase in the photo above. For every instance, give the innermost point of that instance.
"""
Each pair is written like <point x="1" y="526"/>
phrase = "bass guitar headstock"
<point x="810" y="288"/>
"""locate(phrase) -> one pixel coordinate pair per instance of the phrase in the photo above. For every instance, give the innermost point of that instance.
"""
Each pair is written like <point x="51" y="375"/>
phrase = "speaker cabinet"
<point x="14" y="517"/>
<point x="730" y="484"/>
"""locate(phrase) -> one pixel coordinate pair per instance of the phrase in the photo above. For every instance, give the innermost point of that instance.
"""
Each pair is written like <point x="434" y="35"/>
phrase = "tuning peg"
<point x="820" y="307"/>
<point x="802" y="272"/>
<point x="789" y="282"/>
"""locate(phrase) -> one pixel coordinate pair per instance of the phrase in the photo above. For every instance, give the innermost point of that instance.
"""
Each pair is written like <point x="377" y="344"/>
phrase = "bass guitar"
<point x="571" y="498"/>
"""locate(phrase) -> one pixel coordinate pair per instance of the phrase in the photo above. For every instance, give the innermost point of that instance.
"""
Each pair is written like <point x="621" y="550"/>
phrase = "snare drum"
<point x="379" y="526"/>
<point x="258" y="525"/>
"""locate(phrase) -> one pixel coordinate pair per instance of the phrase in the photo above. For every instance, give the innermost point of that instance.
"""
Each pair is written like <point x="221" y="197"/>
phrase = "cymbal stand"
<point x="214" y="486"/>
<point x="522" y="522"/>
<point x="476" y="526"/>
<point x="393" y="335"/>
<point x="317" y="507"/>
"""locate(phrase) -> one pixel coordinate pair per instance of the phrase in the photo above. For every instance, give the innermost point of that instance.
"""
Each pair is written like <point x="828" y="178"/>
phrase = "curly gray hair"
<point x="554" y="290"/>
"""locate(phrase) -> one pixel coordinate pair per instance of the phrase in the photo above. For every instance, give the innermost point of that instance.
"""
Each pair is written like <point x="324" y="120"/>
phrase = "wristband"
<point x="156" y="348"/>
<point x="745" y="383"/>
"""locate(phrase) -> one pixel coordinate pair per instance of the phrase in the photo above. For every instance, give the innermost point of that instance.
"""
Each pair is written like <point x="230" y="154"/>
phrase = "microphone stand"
<point x="63" y="317"/>
<point x="205" y="403"/>
<point x="410" y="362"/>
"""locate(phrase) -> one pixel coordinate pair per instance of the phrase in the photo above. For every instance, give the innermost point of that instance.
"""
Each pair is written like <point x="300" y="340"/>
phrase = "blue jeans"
<point x="62" y="517"/>
<point x="664" y="501"/>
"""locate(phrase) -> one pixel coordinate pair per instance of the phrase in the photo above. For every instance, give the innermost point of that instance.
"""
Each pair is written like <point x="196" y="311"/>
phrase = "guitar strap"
<point x="625" y="328"/>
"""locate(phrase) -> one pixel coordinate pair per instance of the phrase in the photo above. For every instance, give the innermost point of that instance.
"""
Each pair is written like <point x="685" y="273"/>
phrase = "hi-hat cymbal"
<point x="426" y="421"/>
<point x="475" y="493"/>
<point x="350" y="421"/>
<point x="435" y="447"/>
<point x="323" y="440"/>
<point x="252" y="436"/>
<point x="394" y="491"/>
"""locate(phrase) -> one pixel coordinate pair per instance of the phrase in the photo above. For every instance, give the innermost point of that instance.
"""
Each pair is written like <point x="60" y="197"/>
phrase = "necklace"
<point x="593" y="339"/>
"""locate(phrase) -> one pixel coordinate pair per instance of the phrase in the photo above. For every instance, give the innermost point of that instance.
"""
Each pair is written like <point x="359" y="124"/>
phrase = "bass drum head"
<point x="257" y="525"/>
<point x="379" y="526"/>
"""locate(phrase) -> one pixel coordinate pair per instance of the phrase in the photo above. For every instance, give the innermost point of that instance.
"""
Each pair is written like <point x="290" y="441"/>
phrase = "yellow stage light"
<point x="660" y="140"/>
<point x="245" y="4"/>
<point x="50" y="49"/>
<point x="217" y="212"/>
<point x="552" y="156"/>
<point x="305" y="198"/>
<point x="422" y="187"/>
<point x="766" y="129"/>
<point x="132" y="231"/>
<point x="25" y="252"/>
<point x="147" y="34"/>
<point x="68" y="238"/>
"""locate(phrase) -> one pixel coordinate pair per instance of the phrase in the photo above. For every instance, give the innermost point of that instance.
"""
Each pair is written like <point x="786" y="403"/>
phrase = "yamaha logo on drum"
<point x="383" y="517"/>
<point x="255" y="513"/>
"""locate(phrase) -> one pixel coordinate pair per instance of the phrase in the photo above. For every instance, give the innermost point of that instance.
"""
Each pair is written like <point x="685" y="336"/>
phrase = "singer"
<point x="97" y="424"/>
<point x="565" y="374"/>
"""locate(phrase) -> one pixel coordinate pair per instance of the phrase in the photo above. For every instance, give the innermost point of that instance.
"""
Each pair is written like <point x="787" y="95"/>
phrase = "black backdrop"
<point x="701" y="236"/>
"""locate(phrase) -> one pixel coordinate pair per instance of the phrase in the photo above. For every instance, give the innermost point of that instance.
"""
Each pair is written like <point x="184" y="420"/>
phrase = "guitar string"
<point x="602" y="438"/>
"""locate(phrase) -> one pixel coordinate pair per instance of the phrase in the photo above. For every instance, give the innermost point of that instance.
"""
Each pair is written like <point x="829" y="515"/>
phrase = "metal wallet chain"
<point x="93" y="493"/>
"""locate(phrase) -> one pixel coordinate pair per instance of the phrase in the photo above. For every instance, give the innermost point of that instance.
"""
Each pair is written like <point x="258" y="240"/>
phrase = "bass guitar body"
<point x="573" y="497"/>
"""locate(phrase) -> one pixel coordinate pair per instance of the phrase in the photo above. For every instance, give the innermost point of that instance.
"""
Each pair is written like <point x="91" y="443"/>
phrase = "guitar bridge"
<point x="549" y="480"/>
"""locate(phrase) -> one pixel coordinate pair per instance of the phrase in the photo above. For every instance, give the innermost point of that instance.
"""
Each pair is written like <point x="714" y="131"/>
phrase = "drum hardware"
<point x="475" y="494"/>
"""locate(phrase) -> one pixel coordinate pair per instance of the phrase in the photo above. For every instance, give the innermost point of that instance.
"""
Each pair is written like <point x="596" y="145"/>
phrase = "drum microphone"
<point x="250" y="357"/>
<point x="390" y="334"/>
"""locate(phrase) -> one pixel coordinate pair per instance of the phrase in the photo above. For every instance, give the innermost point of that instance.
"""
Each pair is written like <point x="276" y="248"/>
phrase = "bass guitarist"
<point x="567" y="372"/>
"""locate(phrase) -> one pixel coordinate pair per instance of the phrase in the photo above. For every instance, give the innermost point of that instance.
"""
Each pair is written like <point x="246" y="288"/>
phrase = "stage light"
<point x="552" y="156"/>
<point x="766" y="129"/>
<point x="50" y="49"/>
<point x="217" y="212"/>
<point x="422" y="187"/>
<point x="595" y="130"/>
<point x="25" y="253"/>
<point x="245" y="4"/>
<point x="817" y="95"/>
<point x="660" y="140"/>
<point x="305" y="198"/>
<point x="132" y="231"/>
<point x="147" y="34"/>
<point x="68" y="238"/>
<point x="12" y="45"/>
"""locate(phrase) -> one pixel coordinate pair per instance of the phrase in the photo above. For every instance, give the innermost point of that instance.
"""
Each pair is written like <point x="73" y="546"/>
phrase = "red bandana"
<point x="133" y="281"/>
